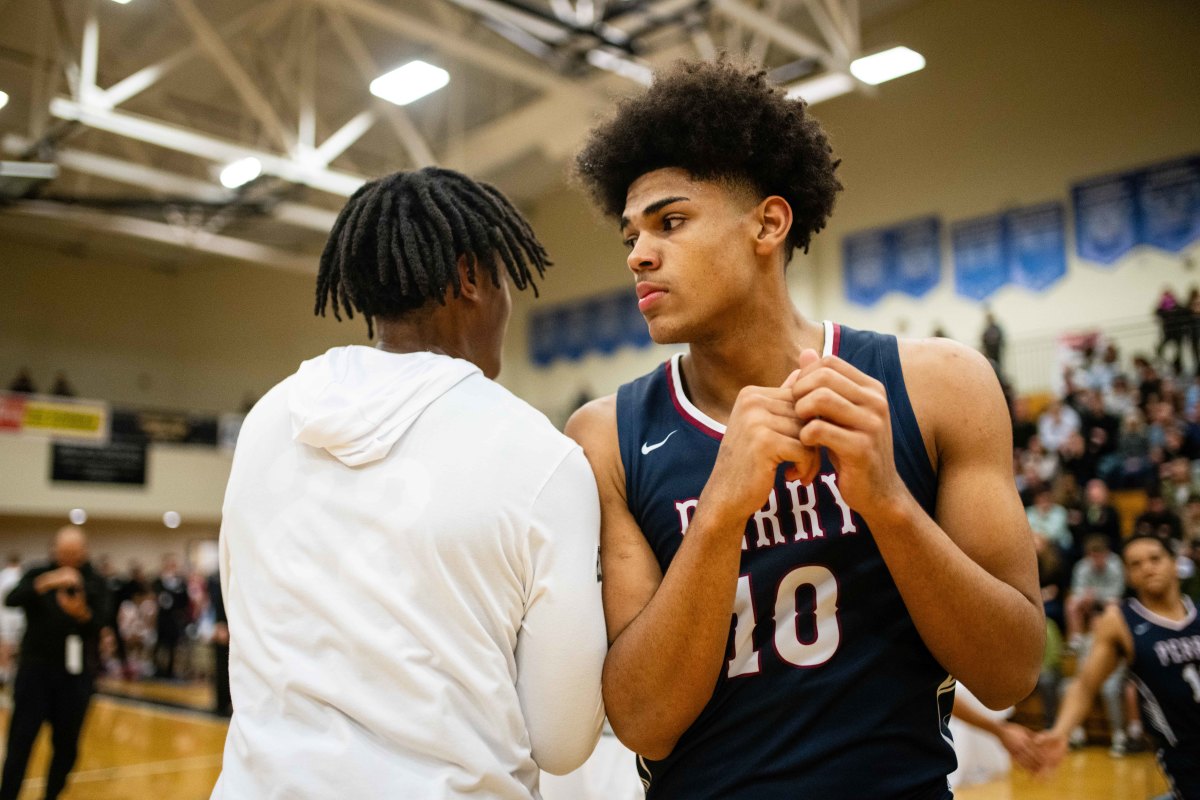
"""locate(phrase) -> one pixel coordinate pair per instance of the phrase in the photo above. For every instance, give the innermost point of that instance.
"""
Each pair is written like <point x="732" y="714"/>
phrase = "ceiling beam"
<point x="259" y="16"/>
<point x="202" y="145"/>
<point x="177" y="235"/>
<point x="448" y="42"/>
<point x="132" y="173"/>
<point x="782" y="35"/>
<point x="398" y="119"/>
<point x="224" y="60"/>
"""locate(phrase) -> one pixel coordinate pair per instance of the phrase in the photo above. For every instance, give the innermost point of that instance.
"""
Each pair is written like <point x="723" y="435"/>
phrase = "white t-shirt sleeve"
<point x="562" y="642"/>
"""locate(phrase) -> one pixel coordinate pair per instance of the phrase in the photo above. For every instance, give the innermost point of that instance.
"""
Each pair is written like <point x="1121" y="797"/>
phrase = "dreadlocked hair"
<point x="717" y="120"/>
<point x="397" y="243"/>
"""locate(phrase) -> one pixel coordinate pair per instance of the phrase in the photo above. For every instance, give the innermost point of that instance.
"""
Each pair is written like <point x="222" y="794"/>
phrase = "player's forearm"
<point x="662" y="669"/>
<point x="964" y="614"/>
<point x="1076" y="703"/>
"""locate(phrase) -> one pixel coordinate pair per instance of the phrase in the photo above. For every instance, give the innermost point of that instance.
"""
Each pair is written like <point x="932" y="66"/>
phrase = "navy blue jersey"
<point x="1166" y="669"/>
<point x="828" y="690"/>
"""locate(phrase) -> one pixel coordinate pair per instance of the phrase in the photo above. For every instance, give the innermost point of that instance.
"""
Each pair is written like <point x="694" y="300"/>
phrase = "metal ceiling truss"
<point x="578" y="42"/>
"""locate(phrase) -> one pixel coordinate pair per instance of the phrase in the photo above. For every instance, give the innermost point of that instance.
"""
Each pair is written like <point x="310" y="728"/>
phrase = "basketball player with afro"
<point x="809" y="532"/>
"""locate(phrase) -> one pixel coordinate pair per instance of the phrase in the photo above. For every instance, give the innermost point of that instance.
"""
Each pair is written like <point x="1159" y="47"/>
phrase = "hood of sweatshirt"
<point x="356" y="402"/>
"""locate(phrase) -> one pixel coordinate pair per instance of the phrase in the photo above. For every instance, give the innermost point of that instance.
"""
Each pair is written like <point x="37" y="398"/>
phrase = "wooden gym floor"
<point x="132" y="750"/>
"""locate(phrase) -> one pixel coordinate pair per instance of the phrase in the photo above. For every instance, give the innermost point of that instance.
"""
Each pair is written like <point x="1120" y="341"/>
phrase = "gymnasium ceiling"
<point x="138" y="106"/>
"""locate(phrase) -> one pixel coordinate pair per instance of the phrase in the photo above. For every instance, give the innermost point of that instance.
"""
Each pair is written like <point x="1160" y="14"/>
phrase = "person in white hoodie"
<point x="408" y="552"/>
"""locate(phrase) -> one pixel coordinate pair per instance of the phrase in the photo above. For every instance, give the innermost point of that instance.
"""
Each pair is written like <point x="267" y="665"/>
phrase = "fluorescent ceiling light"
<point x="411" y="82"/>
<point x="822" y="87"/>
<point x="880" y="67"/>
<point x="241" y="172"/>
<point x="122" y="2"/>
<point x="3" y="99"/>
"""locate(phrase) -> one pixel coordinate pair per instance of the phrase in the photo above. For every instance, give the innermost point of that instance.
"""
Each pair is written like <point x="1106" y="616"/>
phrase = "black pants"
<point x="224" y="705"/>
<point x="44" y="694"/>
<point x="164" y="653"/>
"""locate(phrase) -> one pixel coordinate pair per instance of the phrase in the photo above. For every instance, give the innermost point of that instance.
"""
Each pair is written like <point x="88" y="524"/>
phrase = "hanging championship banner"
<point x="867" y="266"/>
<point x="916" y="249"/>
<point x="1106" y="218"/>
<point x="541" y="338"/>
<point x="1037" y="256"/>
<point x="606" y="319"/>
<point x="1168" y="197"/>
<point x="980" y="256"/>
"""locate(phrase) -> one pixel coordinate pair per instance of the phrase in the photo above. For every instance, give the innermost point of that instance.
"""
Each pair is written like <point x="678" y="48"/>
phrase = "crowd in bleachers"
<point x="1117" y="451"/>
<point x="160" y="626"/>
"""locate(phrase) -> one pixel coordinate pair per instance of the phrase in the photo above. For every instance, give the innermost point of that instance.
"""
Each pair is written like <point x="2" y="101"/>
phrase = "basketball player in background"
<point x="408" y="551"/>
<point x="847" y="499"/>
<point x="1158" y="634"/>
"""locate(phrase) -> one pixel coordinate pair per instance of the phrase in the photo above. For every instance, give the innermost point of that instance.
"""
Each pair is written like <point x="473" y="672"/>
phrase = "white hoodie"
<point x="408" y="555"/>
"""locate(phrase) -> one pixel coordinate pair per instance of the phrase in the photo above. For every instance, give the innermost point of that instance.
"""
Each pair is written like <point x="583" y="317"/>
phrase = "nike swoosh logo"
<point x="1140" y="629"/>
<point x="647" y="449"/>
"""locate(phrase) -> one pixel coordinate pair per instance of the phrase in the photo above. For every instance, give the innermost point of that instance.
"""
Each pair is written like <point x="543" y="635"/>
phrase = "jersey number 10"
<point x="821" y="620"/>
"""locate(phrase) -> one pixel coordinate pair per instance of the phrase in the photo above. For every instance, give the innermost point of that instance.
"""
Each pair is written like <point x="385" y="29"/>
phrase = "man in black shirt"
<point x="170" y="588"/>
<point x="65" y="607"/>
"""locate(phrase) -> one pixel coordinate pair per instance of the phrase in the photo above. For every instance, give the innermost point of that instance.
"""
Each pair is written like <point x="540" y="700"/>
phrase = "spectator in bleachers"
<point x="1049" y="519"/>
<point x="1103" y="369"/>
<point x="1192" y="326"/>
<point x="1044" y="462"/>
<point x="1120" y="399"/>
<point x="172" y="619"/>
<point x="1056" y="424"/>
<point x="1099" y="427"/>
<point x="1097" y="580"/>
<point x="1053" y="578"/>
<point x="1078" y="462"/>
<point x="1129" y="466"/>
<point x="1029" y="484"/>
<point x="136" y="623"/>
<point x="1178" y="483"/>
<point x="1189" y="519"/>
<point x="1149" y="383"/>
<point x="1024" y="427"/>
<point x="23" y="382"/>
<point x="1159" y="520"/>
<point x="1097" y="517"/>
<point x="112" y="584"/>
<point x="992" y="341"/>
<point x="1173" y="324"/>
<point x="12" y="620"/>
<point x="125" y="590"/>
<point x="62" y="387"/>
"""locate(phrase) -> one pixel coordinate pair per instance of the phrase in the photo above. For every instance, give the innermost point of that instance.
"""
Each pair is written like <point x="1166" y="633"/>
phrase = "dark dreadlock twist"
<point x="397" y="242"/>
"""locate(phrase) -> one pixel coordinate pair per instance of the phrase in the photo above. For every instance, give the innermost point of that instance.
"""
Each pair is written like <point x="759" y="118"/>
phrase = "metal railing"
<point x="1034" y="361"/>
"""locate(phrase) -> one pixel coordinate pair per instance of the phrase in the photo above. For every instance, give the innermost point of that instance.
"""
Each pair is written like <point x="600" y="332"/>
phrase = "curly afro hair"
<point x="718" y="121"/>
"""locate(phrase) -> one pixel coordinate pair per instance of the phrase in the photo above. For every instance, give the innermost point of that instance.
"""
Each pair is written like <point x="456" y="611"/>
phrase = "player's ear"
<point x="469" y="277"/>
<point x="773" y="217"/>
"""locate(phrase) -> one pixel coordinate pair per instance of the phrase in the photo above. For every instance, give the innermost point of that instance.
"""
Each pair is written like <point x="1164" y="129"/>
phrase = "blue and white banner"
<point x="542" y="350"/>
<point x="867" y="266"/>
<point x="571" y="331"/>
<point x="1037" y="245"/>
<point x="1158" y="206"/>
<point x="980" y="256"/>
<point x="917" y="256"/>
<point x="1169" y="200"/>
<point x="1106" y="218"/>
